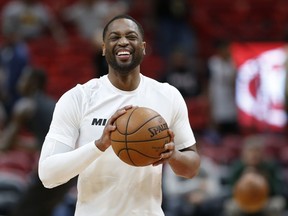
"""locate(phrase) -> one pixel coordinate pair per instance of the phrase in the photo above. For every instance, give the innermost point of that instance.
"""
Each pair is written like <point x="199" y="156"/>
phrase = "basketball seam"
<point x="143" y="124"/>
<point x="127" y="135"/>
<point x="122" y="141"/>
<point x="141" y="153"/>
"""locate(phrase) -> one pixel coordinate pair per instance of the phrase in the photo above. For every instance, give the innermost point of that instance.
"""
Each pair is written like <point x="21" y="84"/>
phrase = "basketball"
<point x="251" y="192"/>
<point x="140" y="136"/>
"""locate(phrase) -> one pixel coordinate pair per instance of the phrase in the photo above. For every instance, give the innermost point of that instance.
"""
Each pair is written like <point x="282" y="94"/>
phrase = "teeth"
<point x="123" y="53"/>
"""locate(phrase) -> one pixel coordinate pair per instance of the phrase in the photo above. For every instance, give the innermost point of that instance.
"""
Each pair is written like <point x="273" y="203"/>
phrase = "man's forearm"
<point x="185" y="163"/>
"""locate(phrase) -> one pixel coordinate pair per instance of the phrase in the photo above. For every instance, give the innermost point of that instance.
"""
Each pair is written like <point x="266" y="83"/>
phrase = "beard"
<point x="124" y="68"/>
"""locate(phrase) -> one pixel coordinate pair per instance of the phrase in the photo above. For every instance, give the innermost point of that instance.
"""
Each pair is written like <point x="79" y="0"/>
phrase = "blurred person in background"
<point x="89" y="18"/>
<point x="32" y="113"/>
<point x="3" y="116"/>
<point x="31" y="19"/>
<point x="173" y="27"/>
<point x="201" y="196"/>
<point x="221" y="89"/>
<point x="253" y="164"/>
<point x="184" y="72"/>
<point x="14" y="57"/>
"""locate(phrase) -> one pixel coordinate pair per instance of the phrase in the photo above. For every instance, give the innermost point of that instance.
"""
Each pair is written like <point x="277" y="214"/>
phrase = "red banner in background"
<point x="260" y="85"/>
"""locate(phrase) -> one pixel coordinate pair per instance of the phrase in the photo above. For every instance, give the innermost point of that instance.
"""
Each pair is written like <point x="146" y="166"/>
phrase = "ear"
<point x="103" y="49"/>
<point x="144" y="47"/>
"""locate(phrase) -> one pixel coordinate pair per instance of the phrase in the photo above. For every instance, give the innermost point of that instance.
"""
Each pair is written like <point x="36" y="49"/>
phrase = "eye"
<point x="132" y="37"/>
<point x="114" y="38"/>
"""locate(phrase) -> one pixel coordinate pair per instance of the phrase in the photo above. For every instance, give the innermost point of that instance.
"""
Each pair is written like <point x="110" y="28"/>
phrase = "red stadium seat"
<point x="198" y="110"/>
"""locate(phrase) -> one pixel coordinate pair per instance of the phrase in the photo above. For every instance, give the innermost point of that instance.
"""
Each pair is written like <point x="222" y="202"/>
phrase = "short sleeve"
<point x="184" y="136"/>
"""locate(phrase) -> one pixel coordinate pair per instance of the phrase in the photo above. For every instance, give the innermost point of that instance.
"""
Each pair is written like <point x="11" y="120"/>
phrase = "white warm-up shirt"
<point x="106" y="185"/>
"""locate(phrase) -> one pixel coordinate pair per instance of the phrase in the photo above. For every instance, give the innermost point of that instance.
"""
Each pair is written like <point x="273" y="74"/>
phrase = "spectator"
<point x="32" y="113"/>
<point x="201" y="196"/>
<point x="31" y="19"/>
<point x="253" y="160"/>
<point x="172" y="16"/>
<point x="89" y="17"/>
<point x="222" y="73"/>
<point x="184" y="73"/>
<point x="14" y="56"/>
<point x="3" y="116"/>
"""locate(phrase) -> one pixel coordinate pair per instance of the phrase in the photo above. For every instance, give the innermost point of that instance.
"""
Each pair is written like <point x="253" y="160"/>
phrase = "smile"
<point x="122" y="53"/>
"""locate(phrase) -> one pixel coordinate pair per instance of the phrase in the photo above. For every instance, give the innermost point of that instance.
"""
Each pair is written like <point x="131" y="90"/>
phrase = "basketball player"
<point x="78" y="142"/>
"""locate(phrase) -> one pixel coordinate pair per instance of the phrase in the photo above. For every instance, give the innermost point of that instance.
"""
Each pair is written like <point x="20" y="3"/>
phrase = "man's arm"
<point x="59" y="163"/>
<point x="184" y="163"/>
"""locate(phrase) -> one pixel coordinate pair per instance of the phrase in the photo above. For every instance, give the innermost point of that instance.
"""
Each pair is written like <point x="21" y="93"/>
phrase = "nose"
<point x="123" y="41"/>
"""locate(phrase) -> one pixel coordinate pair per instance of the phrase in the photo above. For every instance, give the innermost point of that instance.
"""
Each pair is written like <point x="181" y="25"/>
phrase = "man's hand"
<point x="105" y="140"/>
<point x="169" y="150"/>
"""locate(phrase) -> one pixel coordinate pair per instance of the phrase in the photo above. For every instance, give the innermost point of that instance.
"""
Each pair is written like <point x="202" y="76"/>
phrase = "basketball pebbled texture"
<point x="140" y="136"/>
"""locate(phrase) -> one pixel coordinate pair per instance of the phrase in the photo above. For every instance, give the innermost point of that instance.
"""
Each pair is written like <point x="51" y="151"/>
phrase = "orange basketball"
<point x="251" y="192"/>
<point x="140" y="136"/>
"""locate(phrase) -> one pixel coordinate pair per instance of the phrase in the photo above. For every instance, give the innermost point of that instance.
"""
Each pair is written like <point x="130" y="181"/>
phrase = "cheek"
<point x="139" y="51"/>
<point x="109" y="54"/>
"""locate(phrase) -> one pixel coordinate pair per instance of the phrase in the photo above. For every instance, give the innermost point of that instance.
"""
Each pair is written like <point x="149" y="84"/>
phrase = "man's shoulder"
<point x="159" y="86"/>
<point x="82" y="90"/>
<point x="91" y="85"/>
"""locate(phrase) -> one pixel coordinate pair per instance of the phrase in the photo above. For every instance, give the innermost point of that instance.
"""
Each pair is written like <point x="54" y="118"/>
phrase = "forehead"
<point x="123" y="26"/>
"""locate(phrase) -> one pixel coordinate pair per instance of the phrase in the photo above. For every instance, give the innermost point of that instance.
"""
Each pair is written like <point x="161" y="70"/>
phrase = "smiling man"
<point x="75" y="146"/>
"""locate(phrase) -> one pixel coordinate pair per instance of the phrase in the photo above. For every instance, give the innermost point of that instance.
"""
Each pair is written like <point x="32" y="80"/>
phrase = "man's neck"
<point x="127" y="82"/>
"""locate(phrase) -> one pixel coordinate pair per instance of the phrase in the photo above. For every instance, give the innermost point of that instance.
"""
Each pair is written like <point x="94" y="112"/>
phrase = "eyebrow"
<point x="127" y="33"/>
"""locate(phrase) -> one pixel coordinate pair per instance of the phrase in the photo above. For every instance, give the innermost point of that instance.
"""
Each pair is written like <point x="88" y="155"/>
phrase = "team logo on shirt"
<point x="99" y="121"/>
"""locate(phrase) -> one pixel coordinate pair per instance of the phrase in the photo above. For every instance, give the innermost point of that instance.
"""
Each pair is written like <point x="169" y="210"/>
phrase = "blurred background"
<point x="228" y="59"/>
